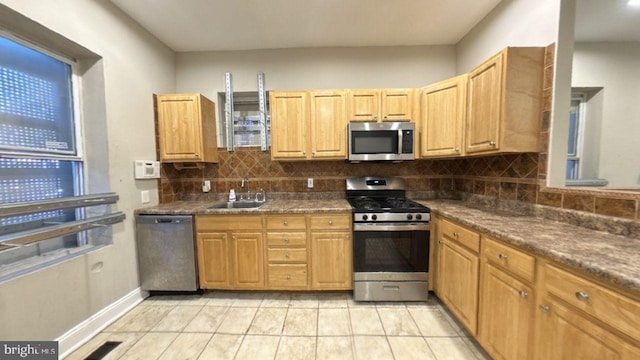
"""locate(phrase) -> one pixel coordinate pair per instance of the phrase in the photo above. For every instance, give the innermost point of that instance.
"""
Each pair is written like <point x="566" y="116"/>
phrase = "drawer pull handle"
<point x="330" y="222"/>
<point x="544" y="308"/>
<point x="523" y="294"/>
<point x="582" y="296"/>
<point x="502" y="257"/>
<point x="288" y="277"/>
<point x="455" y="234"/>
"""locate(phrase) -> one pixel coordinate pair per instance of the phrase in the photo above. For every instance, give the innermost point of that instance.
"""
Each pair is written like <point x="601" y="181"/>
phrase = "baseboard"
<point x="81" y="333"/>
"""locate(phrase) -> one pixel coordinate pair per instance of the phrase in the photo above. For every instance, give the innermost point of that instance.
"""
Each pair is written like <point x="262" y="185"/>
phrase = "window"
<point x="574" y="148"/>
<point x="39" y="154"/>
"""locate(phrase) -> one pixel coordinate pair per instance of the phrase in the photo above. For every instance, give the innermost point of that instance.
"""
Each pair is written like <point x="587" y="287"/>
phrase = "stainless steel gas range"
<point x="390" y="241"/>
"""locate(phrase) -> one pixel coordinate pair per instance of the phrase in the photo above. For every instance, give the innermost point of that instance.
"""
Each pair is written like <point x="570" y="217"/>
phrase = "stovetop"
<point x="385" y="204"/>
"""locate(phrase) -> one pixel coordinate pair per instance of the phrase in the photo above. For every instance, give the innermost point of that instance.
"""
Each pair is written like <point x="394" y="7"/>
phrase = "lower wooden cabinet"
<point x="458" y="271"/>
<point x="566" y="334"/>
<point x="527" y="306"/>
<point x="230" y="252"/>
<point x="275" y="252"/>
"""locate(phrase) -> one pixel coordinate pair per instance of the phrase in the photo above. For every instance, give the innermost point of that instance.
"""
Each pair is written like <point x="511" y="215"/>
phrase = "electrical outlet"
<point x="310" y="183"/>
<point x="144" y="196"/>
<point x="206" y="186"/>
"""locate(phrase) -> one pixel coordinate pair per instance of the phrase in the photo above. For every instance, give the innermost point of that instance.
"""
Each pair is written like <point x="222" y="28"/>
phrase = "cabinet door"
<point x="331" y="259"/>
<point x="248" y="263"/>
<point x="328" y="124"/>
<point x="396" y="104"/>
<point x="289" y="115"/>
<point x="484" y="106"/>
<point x="442" y="120"/>
<point x="506" y="315"/>
<point x="459" y="282"/>
<point x="364" y="105"/>
<point x="179" y="126"/>
<point x="564" y="333"/>
<point x="213" y="260"/>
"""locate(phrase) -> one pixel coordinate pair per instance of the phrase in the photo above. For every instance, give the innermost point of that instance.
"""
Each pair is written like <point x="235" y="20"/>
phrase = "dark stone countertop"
<point x="612" y="258"/>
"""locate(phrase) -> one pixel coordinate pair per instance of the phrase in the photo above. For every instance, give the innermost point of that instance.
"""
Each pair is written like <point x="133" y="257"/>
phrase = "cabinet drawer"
<point x="330" y="222"/>
<point x="286" y="222"/>
<point x="463" y="235"/>
<point x="512" y="260"/>
<point x="207" y="223"/>
<point x="287" y="255"/>
<point x="286" y="239"/>
<point x="617" y="310"/>
<point x="287" y="276"/>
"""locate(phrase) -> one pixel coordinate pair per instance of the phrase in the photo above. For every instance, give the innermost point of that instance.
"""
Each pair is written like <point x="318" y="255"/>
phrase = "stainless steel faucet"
<point x="247" y="192"/>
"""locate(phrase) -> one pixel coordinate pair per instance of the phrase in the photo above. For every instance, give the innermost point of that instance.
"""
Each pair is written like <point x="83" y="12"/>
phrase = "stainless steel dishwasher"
<point x="166" y="253"/>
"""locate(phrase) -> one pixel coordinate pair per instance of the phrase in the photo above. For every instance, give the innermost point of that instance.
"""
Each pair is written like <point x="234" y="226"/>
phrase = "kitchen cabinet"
<point x="504" y="102"/>
<point x="230" y="251"/>
<point x="458" y="271"/>
<point x="186" y="129"/>
<point x="289" y="113"/>
<point x="287" y="265"/>
<point x="380" y="105"/>
<point x="507" y="301"/>
<point x="601" y="323"/>
<point x="308" y="125"/>
<point x="331" y="252"/>
<point x="442" y="117"/>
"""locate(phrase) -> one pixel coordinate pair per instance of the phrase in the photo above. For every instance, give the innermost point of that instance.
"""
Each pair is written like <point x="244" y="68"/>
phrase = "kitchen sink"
<point x="238" y="205"/>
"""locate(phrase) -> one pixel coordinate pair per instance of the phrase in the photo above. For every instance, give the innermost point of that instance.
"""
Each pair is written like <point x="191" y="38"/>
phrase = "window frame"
<point x="574" y="173"/>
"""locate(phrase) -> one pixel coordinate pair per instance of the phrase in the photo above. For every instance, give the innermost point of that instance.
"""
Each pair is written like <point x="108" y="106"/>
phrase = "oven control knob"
<point x="409" y="216"/>
<point x="418" y="216"/>
<point x="364" y="217"/>
<point x="374" y="217"/>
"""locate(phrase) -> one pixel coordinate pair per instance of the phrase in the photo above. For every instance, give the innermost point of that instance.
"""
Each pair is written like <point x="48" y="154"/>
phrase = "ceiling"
<point x="607" y="20"/>
<point x="206" y="25"/>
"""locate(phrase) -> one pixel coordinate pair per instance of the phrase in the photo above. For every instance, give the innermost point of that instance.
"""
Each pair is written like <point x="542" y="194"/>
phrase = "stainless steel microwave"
<point x="384" y="141"/>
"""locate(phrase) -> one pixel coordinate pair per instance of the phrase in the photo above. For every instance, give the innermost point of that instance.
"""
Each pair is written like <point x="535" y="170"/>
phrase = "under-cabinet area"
<point x="275" y="251"/>
<point x="522" y="305"/>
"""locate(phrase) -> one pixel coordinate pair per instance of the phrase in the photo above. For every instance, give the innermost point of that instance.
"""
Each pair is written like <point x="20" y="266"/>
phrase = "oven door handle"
<point x="391" y="227"/>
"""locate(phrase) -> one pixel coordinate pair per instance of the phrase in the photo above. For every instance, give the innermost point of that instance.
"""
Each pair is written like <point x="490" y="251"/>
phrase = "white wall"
<point x="46" y="304"/>
<point x="614" y="66"/>
<point x="511" y="23"/>
<point x="315" y="68"/>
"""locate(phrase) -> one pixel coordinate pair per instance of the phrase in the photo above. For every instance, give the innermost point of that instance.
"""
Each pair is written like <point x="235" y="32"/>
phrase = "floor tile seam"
<point x="168" y="346"/>
<point x="222" y="317"/>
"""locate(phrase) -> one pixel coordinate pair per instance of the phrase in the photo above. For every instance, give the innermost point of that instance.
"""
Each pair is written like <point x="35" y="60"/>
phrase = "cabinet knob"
<point x="457" y="149"/>
<point x="455" y="234"/>
<point x="440" y="242"/>
<point x="492" y="143"/>
<point x="233" y="237"/>
<point x="288" y="277"/>
<point x="285" y="223"/>
<point x="286" y="241"/>
<point x="286" y="256"/>
<point x="375" y="117"/>
<point x="196" y="155"/>
<point x="544" y="308"/>
<point x="330" y="222"/>
<point x="223" y="237"/>
<point x="502" y="257"/>
<point x="582" y="296"/>
<point x="304" y="153"/>
<point x="523" y="294"/>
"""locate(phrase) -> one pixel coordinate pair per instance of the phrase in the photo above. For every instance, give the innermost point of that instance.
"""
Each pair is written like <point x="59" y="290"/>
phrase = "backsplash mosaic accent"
<point x="512" y="177"/>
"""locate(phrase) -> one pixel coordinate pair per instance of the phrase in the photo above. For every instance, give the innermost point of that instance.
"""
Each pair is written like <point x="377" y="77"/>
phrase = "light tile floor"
<point x="265" y="325"/>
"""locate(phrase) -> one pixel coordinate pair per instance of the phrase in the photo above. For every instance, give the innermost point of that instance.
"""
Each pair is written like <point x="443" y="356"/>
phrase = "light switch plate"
<point x="144" y="195"/>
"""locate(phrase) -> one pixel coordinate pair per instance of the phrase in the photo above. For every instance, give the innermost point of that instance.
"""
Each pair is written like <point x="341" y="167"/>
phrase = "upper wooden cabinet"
<point x="186" y="128"/>
<point x="441" y="122"/>
<point x="308" y="125"/>
<point x="380" y="105"/>
<point x="289" y="118"/>
<point x="504" y="102"/>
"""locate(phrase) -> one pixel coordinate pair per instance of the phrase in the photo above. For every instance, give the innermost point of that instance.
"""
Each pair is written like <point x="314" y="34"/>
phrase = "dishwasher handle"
<point x="164" y="219"/>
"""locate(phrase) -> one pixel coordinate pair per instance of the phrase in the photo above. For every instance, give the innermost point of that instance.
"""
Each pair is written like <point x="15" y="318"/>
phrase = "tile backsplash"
<point x="514" y="177"/>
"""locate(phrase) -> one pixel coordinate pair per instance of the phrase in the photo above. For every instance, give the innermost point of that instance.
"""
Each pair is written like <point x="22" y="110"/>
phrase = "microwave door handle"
<point x="400" y="141"/>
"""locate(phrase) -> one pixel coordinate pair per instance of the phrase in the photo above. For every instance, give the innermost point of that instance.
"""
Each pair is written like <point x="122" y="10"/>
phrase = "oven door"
<point x="391" y="251"/>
